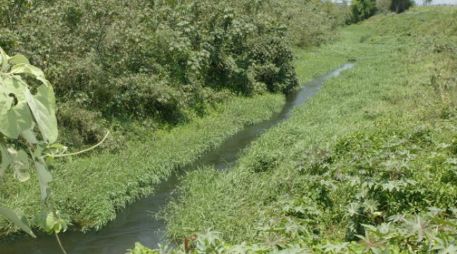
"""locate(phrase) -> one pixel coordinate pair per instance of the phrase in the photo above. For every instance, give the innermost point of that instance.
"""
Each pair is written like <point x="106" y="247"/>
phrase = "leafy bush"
<point x="83" y="126"/>
<point x="311" y="23"/>
<point x="152" y="59"/>
<point x="383" y="6"/>
<point x="401" y="5"/>
<point x="362" y="9"/>
<point x="162" y="59"/>
<point x="430" y="232"/>
<point x="28" y="131"/>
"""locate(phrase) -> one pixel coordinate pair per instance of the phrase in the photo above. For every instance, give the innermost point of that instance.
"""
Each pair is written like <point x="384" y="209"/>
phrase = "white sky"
<point x="419" y="2"/>
<point x="439" y="1"/>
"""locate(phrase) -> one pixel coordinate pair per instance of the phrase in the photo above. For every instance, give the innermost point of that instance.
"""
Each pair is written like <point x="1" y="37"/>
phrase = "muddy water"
<point x="136" y="223"/>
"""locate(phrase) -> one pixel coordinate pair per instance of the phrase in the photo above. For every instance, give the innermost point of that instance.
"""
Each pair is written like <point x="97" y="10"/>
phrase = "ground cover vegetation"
<point x="89" y="202"/>
<point x="169" y="79"/>
<point x="368" y="165"/>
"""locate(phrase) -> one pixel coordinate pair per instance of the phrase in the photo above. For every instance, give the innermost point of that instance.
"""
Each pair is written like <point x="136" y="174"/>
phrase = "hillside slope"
<point x="369" y="164"/>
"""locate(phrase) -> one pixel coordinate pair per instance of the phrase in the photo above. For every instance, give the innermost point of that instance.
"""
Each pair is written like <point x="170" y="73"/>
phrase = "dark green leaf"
<point x="14" y="218"/>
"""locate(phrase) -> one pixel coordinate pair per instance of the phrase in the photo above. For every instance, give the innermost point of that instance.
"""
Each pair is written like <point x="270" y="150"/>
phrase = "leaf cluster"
<point x="28" y="126"/>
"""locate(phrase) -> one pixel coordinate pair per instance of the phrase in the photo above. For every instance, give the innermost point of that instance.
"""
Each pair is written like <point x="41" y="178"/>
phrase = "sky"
<point x="419" y="2"/>
<point x="439" y="1"/>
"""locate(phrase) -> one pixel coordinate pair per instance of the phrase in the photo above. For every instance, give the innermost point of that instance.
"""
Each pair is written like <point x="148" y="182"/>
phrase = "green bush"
<point x="83" y="126"/>
<point x="163" y="59"/>
<point x="401" y="5"/>
<point x="311" y="23"/>
<point x="383" y="6"/>
<point x="362" y="9"/>
<point x="149" y="59"/>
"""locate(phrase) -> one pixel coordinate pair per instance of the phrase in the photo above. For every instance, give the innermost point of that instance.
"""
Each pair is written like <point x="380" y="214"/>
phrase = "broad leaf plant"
<point x="28" y="128"/>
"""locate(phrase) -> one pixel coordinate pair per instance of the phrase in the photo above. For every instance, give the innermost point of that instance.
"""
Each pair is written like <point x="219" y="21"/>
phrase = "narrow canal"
<point x="137" y="223"/>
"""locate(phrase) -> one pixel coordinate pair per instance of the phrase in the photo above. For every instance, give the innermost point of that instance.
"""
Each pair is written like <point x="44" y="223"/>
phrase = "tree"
<point x="362" y="9"/>
<point x="399" y="6"/>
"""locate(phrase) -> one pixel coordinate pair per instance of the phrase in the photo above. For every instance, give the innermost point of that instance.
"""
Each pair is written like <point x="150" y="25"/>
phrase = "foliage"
<point x="133" y="171"/>
<point x="434" y="231"/>
<point x="362" y="9"/>
<point x="150" y="59"/>
<point x="368" y="165"/>
<point x="383" y="6"/>
<point x="28" y="130"/>
<point x="310" y="24"/>
<point x="146" y="64"/>
<point x="397" y="6"/>
<point x="161" y="60"/>
<point x="401" y="5"/>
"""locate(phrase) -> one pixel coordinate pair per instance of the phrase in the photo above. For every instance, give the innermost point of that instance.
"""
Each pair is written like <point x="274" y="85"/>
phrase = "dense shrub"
<point x="362" y="9"/>
<point x="383" y="6"/>
<point x="312" y="23"/>
<point x="161" y="59"/>
<point x="401" y="5"/>
<point x="83" y="126"/>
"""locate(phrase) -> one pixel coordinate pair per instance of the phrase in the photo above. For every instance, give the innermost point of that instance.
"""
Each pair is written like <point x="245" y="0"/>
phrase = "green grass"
<point x="295" y="184"/>
<point x="90" y="190"/>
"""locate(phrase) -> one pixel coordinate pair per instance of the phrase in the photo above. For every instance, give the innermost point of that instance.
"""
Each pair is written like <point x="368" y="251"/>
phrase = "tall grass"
<point x="89" y="190"/>
<point x="298" y="184"/>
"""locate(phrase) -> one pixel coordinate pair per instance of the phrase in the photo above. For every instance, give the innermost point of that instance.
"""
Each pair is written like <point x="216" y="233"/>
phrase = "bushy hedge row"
<point x="363" y="9"/>
<point x="159" y="59"/>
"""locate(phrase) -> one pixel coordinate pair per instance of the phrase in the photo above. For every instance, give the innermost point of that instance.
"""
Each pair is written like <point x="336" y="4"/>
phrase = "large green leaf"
<point x="16" y="219"/>
<point x="6" y="101"/>
<point x="54" y="224"/>
<point x="31" y="70"/>
<point x="20" y="164"/>
<point x="16" y="120"/>
<point x="3" y="60"/>
<point x="18" y="59"/>
<point x="14" y="87"/>
<point x="30" y="136"/>
<point x="44" y="177"/>
<point x="5" y="160"/>
<point x="43" y="108"/>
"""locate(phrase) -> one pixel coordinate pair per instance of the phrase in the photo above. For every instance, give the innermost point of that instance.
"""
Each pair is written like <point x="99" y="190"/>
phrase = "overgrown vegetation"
<point x="28" y="132"/>
<point x="368" y="165"/>
<point x="88" y="191"/>
<point x="142" y="69"/>
<point x="28" y="126"/>
<point x="363" y="9"/>
<point x="158" y="62"/>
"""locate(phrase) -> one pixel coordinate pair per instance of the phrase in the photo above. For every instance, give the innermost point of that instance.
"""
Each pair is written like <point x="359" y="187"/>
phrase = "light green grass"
<point x="90" y="190"/>
<point x="388" y="96"/>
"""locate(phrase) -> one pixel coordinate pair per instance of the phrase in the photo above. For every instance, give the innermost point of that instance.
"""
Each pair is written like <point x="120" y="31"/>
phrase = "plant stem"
<point x="60" y="244"/>
<point x="83" y="151"/>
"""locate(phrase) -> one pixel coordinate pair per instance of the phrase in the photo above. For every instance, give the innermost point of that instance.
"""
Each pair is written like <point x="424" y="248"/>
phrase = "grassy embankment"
<point x="377" y="141"/>
<point x="90" y="190"/>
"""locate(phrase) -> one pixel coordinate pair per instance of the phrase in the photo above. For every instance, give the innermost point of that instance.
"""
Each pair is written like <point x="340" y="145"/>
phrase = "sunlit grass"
<point x="91" y="189"/>
<point x="390" y="90"/>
